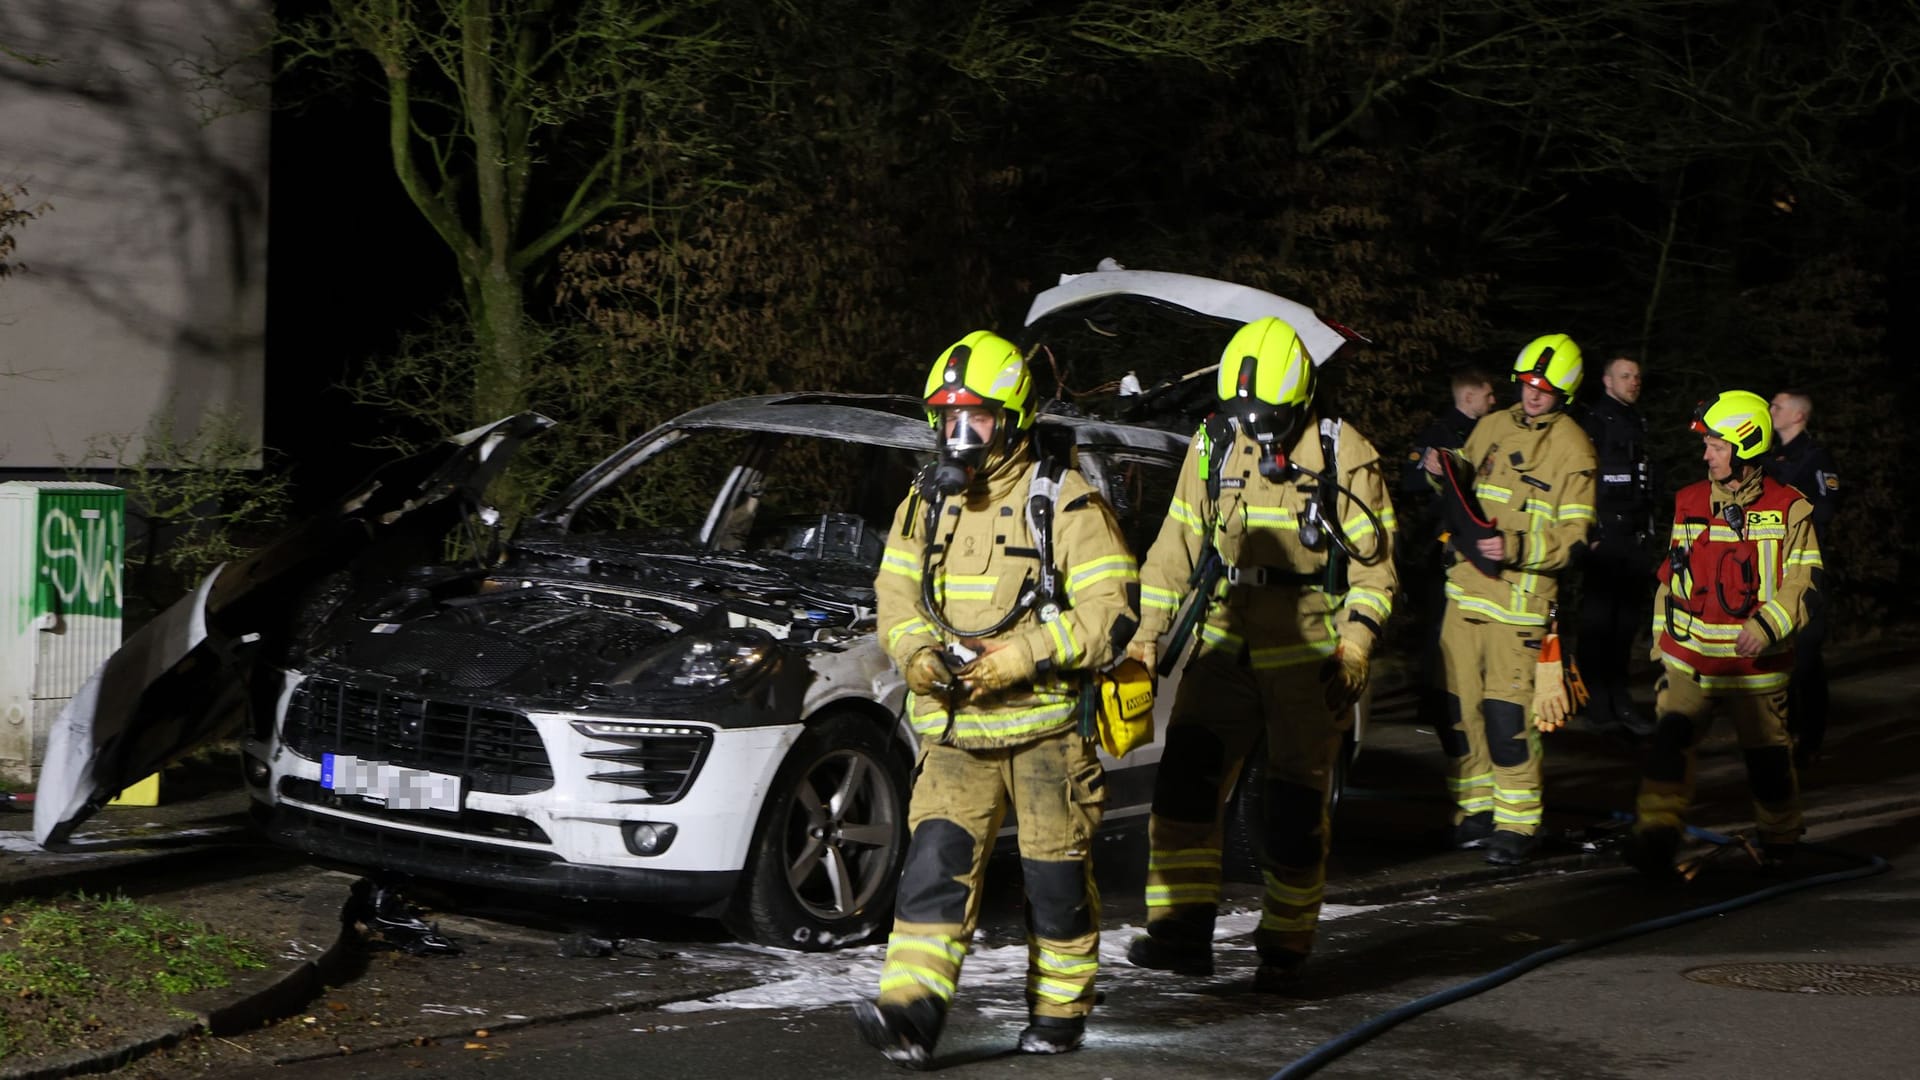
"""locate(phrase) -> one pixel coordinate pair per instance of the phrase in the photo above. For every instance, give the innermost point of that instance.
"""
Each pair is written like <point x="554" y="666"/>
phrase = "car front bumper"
<point x="573" y="838"/>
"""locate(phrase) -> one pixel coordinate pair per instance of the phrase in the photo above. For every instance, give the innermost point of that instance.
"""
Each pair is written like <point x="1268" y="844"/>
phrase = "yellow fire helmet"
<point x="982" y="369"/>
<point x="1741" y="418"/>
<point x="1552" y="363"/>
<point x="1265" y="363"/>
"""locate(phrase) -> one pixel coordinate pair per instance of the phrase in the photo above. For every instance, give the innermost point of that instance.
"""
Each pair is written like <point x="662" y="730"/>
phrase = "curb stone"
<point x="323" y="943"/>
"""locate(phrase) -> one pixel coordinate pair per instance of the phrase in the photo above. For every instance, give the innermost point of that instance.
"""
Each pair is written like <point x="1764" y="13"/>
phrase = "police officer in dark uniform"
<point x="1422" y="567"/>
<point x="1617" y="577"/>
<point x="1800" y="461"/>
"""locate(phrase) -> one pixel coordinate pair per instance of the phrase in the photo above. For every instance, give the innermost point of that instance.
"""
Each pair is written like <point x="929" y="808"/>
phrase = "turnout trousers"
<point x="1220" y="712"/>
<point x="1685" y="714"/>
<point x="1493" y="753"/>
<point x="1057" y="790"/>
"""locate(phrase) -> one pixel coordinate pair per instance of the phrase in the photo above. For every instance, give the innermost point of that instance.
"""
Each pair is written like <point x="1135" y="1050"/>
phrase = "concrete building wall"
<point x="143" y="300"/>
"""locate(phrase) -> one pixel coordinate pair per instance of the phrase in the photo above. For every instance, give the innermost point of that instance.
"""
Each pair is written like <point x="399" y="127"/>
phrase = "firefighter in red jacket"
<point x="1741" y="564"/>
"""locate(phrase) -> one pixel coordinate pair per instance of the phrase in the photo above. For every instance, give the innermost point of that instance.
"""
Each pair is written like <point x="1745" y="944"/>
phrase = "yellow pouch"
<point x="1125" y="716"/>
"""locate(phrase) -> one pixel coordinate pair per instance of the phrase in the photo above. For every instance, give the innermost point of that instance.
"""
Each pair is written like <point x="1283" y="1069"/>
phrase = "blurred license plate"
<point x="400" y="788"/>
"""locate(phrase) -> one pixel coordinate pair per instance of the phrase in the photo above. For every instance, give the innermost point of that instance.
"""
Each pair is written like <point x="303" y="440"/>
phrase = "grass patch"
<point x="75" y="968"/>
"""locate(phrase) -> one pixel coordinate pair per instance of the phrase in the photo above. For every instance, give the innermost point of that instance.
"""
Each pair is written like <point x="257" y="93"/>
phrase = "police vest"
<point x="1720" y="573"/>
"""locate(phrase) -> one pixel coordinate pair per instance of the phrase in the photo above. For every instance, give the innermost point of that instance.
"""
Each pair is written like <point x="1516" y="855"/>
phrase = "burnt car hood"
<point x="573" y="623"/>
<point x="177" y="683"/>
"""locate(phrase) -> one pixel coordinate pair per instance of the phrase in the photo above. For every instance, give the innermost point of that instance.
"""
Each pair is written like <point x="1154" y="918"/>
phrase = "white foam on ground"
<point x="819" y="980"/>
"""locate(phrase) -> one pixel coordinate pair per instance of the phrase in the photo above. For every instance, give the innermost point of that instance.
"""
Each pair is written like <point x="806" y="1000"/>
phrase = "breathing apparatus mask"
<point x="1274" y="428"/>
<point x="968" y="436"/>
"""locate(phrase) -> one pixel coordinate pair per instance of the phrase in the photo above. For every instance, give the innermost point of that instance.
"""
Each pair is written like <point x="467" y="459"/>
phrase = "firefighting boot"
<point x="1279" y="970"/>
<point x="1508" y="848"/>
<point x="1053" y="1034"/>
<point x="1180" y="946"/>
<point x="1652" y="851"/>
<point x="1776" y="857"/>
<point x="1473" y="830"/>
<point x="904" y="1033"/>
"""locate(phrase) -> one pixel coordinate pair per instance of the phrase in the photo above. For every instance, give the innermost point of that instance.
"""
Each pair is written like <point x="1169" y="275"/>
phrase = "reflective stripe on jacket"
<point x="1533" y="477"/>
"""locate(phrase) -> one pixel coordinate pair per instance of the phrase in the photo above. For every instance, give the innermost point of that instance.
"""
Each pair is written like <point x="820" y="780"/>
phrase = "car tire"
<point x="832" y="836"/>
<point x="1240" y="859"/>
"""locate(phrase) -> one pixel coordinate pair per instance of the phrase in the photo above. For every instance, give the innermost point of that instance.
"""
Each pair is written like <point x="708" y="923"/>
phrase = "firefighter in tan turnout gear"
<point x="1005" y="583"/>
<point x="1741" y="565"/>
<point x="1531" y="491"/>
<point x="1297" y="514"/>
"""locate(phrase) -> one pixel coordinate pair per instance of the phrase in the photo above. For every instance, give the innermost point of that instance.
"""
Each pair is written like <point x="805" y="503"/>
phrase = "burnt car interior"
<point x="822" y="498"/>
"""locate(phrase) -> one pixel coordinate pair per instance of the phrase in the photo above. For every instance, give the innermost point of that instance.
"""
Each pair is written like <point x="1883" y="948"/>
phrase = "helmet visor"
<point x="1273" y="426"/>
<point x="966" y="432"/>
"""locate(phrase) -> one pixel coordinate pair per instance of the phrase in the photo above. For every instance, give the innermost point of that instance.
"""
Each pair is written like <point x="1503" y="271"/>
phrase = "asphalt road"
<point x="1666" y="1003"/>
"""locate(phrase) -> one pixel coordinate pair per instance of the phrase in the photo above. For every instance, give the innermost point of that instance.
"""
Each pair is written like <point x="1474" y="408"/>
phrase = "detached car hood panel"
<point x="1216" y="299"/>
<point x="175" y="684"/>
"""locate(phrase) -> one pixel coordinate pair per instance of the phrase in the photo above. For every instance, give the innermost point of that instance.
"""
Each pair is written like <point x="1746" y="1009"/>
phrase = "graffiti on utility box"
<point x="80" y="561"/>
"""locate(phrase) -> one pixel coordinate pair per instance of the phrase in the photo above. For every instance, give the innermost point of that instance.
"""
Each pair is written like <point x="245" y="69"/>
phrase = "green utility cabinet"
<point x="62" y="550"/>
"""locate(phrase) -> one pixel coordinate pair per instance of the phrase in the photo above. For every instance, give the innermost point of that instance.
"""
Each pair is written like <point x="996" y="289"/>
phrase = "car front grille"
<point x="495" y="750"/>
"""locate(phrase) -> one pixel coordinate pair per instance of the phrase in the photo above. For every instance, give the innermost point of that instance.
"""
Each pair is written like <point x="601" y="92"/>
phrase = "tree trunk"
<point x="499" y="326"/>
<point x="499" y="305"/>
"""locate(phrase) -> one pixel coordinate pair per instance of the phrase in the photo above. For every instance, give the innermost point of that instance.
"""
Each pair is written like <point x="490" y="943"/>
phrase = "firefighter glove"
<point x="1146" y="650"/>
<point x="927" y="672"/>
<point x="999" y="668"/>
<point x="1755" y="638"/>
<point x="1551" y="701"/>
<point x="1344" y="676"/>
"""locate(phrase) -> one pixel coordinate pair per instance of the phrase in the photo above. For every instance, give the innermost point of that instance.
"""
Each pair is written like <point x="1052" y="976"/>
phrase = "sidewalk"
<point x="1384" y="849"/>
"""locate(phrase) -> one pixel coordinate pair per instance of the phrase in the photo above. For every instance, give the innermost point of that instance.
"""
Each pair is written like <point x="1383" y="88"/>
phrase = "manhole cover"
<point x="1856" y="979"/>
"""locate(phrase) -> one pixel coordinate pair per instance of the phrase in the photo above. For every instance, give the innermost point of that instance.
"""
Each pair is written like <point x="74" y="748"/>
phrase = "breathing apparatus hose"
<point x="1352" y="1038"/>
<point x="1328" y="496"/>
<point x="1043" y="491"/>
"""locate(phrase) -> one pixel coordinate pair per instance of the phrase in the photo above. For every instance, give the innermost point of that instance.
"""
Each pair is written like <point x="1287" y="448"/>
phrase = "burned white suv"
<point x="695" y="711"/>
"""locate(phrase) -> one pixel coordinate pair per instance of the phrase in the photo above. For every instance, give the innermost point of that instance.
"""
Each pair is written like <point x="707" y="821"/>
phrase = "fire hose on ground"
<point x="1353" y="1038"/>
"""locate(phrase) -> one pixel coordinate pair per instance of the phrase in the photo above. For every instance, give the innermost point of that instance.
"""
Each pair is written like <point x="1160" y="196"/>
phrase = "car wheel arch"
<point x="790" y="893"/>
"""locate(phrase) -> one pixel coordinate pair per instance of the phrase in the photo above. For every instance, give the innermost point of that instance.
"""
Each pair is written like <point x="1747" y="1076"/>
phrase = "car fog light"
<point x="649" y="837"/>
<point x="257" y="772"/>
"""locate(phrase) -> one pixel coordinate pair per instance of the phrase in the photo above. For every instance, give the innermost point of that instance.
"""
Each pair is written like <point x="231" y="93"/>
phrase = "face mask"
<point x="1273" y="428"/>
<point x="962" y="449"/>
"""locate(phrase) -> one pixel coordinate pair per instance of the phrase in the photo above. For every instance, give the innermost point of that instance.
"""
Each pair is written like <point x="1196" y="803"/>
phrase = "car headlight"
<point x="721" y="658"/>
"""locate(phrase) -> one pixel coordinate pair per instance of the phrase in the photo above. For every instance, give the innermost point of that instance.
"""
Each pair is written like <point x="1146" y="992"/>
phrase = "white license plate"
<point x="399" y="787"/>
